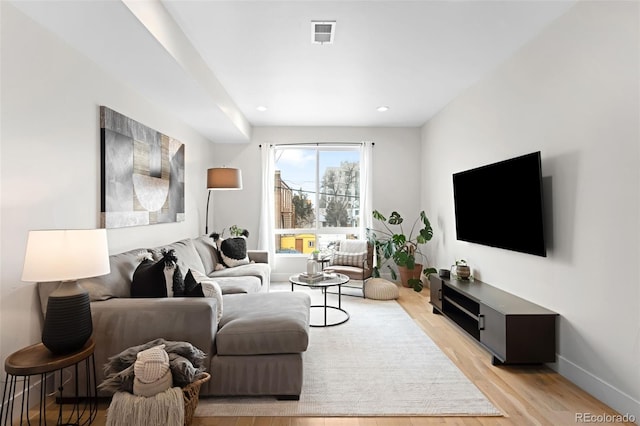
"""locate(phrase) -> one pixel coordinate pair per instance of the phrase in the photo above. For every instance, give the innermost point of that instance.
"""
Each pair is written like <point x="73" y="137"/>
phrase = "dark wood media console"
<point x="512" y="329"/>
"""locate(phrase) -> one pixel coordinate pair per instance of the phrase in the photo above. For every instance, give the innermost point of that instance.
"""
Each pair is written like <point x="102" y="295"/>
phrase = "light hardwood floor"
<point x="529" y="395"/>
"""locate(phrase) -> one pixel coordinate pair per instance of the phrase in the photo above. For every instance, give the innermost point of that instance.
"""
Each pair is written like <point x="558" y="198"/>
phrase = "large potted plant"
<point x="391" y="243"/>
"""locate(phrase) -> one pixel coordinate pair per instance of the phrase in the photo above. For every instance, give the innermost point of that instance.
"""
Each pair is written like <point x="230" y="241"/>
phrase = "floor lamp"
<point x="66" y="256"/>
<point x="221" y="179"/>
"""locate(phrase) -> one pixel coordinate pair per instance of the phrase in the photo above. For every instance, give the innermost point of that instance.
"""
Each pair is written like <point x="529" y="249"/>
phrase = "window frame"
<point x="318" y="230"/>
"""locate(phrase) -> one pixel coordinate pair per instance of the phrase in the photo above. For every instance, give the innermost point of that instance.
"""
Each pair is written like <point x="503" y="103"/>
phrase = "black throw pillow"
<point x="192" y="288"/>
<point x="149" y="278"/>
<point x="232" y="250"/>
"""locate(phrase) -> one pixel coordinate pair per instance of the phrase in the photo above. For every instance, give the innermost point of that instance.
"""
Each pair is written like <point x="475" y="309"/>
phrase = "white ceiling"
<point x="413" y="56"/>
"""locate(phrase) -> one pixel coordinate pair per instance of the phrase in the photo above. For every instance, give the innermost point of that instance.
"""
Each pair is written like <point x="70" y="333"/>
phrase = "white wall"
<point x="572" y="93"/>
<point x="50" y="160"/>
<point x="396" y="168"/>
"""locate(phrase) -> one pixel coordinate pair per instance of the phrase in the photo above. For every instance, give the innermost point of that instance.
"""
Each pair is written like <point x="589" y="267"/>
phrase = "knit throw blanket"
<point x="165" y="408"/>
<point x="185" y="360"/>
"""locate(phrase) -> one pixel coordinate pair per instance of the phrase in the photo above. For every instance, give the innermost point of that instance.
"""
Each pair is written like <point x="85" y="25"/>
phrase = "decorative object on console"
<point x="66" y="256"/>
<point x="444" y="273"/>
<point x="462" y="271"/>
<point x="402" y="248"/>
<point x="221" y="179"/>
<point x="233" y="250"/>
<point x="142" y="175"/>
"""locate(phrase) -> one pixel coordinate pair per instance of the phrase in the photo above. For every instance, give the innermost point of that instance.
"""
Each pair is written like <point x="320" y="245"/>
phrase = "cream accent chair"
<point x="353" y="258"/>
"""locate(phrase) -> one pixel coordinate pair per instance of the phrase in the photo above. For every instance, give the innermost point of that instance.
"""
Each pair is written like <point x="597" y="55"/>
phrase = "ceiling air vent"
<point x="322" y="32"/>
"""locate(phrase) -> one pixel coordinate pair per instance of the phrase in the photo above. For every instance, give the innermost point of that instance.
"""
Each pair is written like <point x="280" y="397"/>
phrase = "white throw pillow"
<point x="349" y="259"/>
<point x="210" y="288"/>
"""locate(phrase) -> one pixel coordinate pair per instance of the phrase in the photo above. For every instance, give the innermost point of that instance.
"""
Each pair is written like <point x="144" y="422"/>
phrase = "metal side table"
<point x="36" y="361"/>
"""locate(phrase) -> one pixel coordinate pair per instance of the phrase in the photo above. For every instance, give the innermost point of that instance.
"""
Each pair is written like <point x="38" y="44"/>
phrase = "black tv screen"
<point x="500" y="205"/>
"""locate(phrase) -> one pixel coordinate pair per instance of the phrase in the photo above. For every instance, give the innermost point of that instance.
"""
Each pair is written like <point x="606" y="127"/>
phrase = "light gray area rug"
<point x="379" y="363"/>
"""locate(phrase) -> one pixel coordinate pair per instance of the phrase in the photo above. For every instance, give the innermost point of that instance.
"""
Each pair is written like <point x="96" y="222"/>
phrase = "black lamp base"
<point x="67" y="324"/>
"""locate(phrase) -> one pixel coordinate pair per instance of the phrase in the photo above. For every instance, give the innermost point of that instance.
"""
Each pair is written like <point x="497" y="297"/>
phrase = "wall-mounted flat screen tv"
<point x="500" y="205"/>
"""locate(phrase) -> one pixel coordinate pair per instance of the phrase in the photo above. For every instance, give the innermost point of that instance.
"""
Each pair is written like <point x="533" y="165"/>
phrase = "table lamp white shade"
<point x="66" y="256"/>
<point x="224" y="178"/>
<point x="63" y="255"/>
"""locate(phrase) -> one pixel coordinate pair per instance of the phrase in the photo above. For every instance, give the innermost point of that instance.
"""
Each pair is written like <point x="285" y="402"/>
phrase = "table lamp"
<point x="66" y="256"/>
<point x="221" y="179"/>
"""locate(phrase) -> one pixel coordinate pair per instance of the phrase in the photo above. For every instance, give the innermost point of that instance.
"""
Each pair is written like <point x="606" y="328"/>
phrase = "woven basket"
<point x="191" y="393"/>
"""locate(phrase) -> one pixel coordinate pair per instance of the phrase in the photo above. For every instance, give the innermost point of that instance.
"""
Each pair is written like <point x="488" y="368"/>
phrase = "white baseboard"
<point x="605" y="392"/>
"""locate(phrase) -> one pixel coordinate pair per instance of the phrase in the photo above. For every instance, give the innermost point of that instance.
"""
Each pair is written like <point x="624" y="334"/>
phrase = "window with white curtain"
<point x="317" y="196"/>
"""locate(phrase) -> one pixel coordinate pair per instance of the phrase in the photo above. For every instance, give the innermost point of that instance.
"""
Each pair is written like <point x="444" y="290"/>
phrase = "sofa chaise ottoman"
<point x="256" y="348"/>
<point x="262" y="337"/>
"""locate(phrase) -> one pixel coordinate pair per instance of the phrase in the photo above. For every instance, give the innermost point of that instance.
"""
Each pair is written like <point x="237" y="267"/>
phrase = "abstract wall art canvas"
<point x="142" y="178"/>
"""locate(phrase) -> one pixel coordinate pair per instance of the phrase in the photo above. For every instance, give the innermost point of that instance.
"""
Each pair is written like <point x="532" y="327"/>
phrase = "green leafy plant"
<point x="235" y="231"/>
<point x="392" y="243"/>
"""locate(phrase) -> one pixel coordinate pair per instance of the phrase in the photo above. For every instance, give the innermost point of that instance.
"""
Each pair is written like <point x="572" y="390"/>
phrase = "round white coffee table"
<point x="329" y="280"/>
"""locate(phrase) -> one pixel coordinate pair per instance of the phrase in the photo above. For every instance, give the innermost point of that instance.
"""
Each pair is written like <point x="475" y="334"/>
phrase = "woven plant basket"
<point x="191" y="394"/>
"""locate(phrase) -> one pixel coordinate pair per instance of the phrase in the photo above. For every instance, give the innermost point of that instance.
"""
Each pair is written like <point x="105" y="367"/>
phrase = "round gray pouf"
<point x="380" y="289"/>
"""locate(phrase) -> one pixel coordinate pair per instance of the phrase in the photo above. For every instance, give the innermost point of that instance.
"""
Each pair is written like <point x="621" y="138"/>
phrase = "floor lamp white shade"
<point x="66" y="256"/>
<point x="221" y="179"/>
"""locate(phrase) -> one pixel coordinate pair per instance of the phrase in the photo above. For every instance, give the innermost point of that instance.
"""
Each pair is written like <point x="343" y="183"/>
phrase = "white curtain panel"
<point x="266" y="240"/>
<point x="366" y="188"/>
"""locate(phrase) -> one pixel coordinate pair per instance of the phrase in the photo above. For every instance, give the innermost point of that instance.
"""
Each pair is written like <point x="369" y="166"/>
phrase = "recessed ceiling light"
<point x="261" y="108"/>
<point x="382" y="108"/>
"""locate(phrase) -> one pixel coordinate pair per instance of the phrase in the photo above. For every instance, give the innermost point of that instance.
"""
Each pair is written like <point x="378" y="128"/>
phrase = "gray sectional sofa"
<point x="255" y="349"/>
